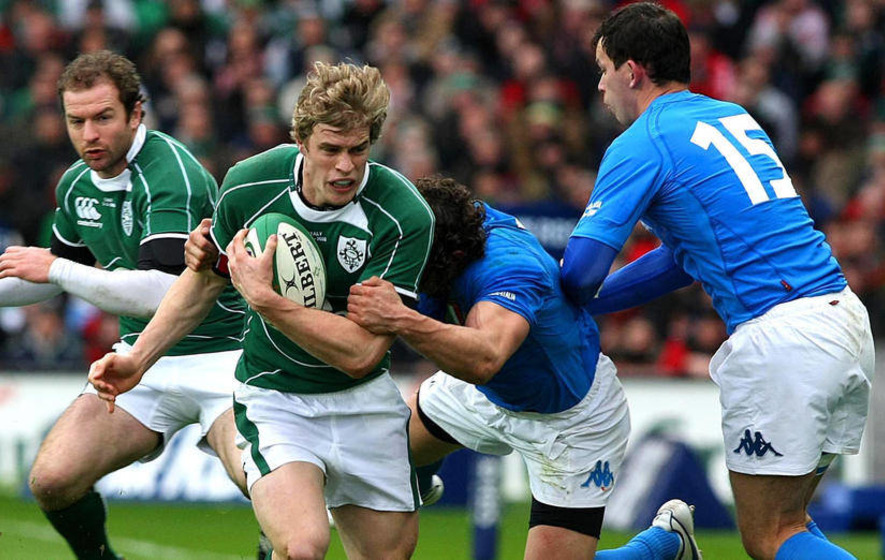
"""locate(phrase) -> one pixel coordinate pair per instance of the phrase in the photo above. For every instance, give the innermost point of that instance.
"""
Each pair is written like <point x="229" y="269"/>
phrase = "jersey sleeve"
<point x="176" y="198"/>
<point x="628" y="180"/>
<point x="64" y="230"/>
<point x="400" y="253"/>
<point x="227" y="219"/>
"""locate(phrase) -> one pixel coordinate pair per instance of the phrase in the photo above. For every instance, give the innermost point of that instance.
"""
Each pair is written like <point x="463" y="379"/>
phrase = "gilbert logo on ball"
<point x="299" y="272"/>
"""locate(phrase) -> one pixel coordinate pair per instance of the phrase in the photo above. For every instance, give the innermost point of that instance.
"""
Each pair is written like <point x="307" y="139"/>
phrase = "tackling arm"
<point x="654" y="274"/>
<point x="335" y="340"/>
<point x="473" y="353"/>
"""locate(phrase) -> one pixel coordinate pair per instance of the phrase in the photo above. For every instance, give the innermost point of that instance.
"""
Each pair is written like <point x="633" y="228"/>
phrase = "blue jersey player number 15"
<point x="794" y="374"/>
<point x="707" y="135"/>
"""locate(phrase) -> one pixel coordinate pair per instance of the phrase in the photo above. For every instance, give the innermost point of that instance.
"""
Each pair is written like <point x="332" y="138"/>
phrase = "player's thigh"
<point x="290" y="508"/>
<point x="88" y="442"/>
<point x="368" y="534"/>
<point x="574" y="457"/>
<point x="222" y="439"/>
<point x="357" y="437"/>
<point x="770" y="509"/>
<point x="427" y="447"/>
<point x="545" y="542"/>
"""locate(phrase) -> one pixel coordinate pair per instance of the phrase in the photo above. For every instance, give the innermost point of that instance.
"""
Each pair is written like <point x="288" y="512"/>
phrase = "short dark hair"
<point x="650" y="35"/>
<point x="91" y="68"/>
<point x="458" y="237"/>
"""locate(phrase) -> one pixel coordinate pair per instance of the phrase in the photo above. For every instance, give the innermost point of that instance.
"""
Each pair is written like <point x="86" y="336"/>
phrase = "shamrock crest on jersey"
<point x="351" y="253"/>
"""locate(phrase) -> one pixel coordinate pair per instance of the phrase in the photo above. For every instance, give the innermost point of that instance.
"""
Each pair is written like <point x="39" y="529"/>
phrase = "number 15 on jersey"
<point x="706" y="135"/>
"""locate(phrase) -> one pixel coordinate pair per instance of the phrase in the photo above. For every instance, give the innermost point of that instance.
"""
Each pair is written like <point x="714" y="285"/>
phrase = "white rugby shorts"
<point x="358" y="438"/>
<point x="794" y="384"/>
<point x="178" y="391"/>
<point x="573" y="457"/>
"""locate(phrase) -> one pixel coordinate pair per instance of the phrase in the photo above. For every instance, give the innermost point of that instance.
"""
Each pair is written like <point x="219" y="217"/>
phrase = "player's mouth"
<point x="94" y="153"/>
<point x="342" y="185"/>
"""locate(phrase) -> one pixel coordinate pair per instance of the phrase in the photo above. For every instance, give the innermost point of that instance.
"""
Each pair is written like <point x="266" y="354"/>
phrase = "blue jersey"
<point x="554" y="367"/>
<point x="703" y="176"/>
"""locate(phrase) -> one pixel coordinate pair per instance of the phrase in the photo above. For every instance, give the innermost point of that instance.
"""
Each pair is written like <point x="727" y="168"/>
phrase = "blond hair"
<point x="343" y="96"/>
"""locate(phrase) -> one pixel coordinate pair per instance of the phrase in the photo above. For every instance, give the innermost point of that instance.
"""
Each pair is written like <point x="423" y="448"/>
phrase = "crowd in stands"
<point x="500" y="94"/>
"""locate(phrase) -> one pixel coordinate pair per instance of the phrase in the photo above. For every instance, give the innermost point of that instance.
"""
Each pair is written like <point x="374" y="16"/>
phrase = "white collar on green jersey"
<point x="121" y="182"/>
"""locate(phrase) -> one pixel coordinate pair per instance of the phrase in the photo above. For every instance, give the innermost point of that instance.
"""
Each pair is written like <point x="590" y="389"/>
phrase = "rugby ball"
<point x="299" y="273"/>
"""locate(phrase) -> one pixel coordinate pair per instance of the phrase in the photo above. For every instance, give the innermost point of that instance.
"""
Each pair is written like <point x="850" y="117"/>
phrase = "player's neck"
<point x="655" y="91"/>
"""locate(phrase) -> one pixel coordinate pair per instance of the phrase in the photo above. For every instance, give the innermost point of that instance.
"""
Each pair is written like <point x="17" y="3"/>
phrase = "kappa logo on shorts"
<point x="755" y="444"/>
<point x="601" y="476"/>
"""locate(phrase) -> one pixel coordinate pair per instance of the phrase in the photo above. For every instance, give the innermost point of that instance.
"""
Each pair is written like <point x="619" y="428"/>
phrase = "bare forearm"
<point x="186" y="304"/>
<point x="462" y="352"/>
<point x="331" y="338"/>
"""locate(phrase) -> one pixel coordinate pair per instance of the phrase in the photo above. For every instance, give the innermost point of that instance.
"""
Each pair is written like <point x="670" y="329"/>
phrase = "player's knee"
<point x="53" y="488"/>
<point x="299" y="548"/>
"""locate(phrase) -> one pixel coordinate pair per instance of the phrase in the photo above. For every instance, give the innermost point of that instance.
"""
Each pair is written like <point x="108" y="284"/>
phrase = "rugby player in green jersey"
<point x="321" y="421"/>
<point x="127" y="204"/>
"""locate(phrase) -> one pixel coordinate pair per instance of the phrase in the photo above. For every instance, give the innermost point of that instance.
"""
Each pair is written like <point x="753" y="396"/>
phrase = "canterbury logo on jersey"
<point x="86" y="208"/>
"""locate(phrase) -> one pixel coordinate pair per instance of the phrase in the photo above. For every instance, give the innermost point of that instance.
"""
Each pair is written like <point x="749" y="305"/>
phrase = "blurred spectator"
<point x="38" y="163"/>
<point x="712" y="73"/>
<point x="792" y="36"/>
<point x="44" y="344"/>
<point x="500" y="94"/>
<point x="771" y="107"/>
<point x="99" y="335"/>
<point x="105" y="24"/>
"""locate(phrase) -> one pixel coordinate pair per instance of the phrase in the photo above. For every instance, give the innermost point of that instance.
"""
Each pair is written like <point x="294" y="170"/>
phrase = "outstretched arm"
<point x="654" y="274"/>
<point x="40" y="274"/>
<point x="474" y="352"/>
<point x="186" y="304"/>
<point x="585" y="265"/>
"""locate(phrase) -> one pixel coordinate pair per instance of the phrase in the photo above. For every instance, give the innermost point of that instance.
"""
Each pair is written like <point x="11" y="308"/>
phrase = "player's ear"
<point x="137" y="114"/>
<point x="637" y="73"/>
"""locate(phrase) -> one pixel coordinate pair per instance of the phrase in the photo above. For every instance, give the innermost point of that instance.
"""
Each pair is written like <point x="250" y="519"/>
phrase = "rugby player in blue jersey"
<point x="794" y="375"/>
<point x="521" y="371"/>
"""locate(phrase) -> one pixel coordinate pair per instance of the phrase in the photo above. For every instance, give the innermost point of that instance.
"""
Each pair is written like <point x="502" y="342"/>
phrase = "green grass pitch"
<point x="208" y="532"/>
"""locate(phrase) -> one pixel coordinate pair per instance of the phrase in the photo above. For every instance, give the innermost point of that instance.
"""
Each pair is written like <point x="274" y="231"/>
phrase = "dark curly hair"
<point x="458" y="239"/>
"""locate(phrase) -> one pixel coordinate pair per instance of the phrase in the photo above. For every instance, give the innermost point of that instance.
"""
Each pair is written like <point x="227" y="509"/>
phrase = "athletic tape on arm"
<point x="134" y="293"/>
<point x="15" y="292"/>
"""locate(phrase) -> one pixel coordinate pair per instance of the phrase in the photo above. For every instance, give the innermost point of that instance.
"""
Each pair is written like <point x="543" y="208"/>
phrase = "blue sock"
<point x="805" y="546"/>
<point x="815" y="530"/>
<point x="652" y="544"/>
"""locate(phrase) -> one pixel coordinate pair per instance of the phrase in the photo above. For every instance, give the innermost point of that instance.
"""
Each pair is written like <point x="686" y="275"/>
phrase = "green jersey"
<point x="163" y="192"/>
<point x="386" y="231"/>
